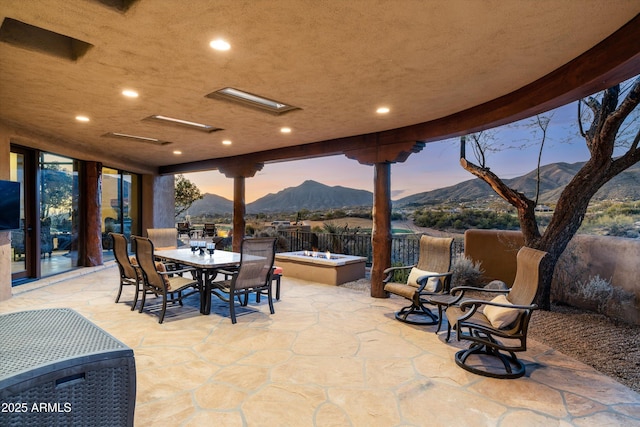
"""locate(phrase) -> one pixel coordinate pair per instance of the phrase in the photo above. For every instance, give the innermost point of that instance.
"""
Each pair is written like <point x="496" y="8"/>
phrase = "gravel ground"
<point x="613" y="348"/>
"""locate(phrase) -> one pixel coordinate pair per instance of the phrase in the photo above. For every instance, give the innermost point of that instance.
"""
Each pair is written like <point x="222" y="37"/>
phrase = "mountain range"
<point x="312" y="195"/>
<point x="553" y="178"/>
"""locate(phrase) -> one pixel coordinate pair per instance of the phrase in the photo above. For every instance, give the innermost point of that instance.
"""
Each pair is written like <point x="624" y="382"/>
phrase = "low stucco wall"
<point x="614" y="260"/>
<point x="497" y="250"/>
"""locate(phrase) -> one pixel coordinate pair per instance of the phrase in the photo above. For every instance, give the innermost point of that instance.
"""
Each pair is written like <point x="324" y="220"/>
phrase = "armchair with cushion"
<point x="498" y="327"/>
<point x="430" y="276"/>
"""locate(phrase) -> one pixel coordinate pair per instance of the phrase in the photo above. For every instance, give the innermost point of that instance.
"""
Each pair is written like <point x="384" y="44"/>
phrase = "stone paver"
<point x="329" y="356"/>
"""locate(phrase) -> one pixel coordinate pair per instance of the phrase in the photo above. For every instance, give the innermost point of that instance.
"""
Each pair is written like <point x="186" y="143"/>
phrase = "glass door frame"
<point x="30" y="208"/>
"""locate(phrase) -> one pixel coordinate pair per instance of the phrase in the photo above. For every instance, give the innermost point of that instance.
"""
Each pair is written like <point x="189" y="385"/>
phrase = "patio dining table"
<point x="206" y="266"/>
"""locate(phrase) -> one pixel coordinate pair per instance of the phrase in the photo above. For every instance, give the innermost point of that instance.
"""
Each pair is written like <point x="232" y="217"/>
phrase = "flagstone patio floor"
<point x="329" y="356"/>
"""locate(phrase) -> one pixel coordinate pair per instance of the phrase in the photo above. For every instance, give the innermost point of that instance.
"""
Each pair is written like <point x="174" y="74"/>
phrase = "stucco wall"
<point x="496" y="250"/>
<point x="614" y="259"/>
<point x="158" y="202"/>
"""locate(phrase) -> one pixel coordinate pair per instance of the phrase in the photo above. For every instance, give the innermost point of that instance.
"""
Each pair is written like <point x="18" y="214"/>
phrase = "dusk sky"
<point x="436" y="166"/>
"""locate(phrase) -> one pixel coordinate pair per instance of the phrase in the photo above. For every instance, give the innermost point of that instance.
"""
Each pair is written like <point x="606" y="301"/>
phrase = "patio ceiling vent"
<point x="183" y="123"/>
<point x="136" y="138"/>
<point x="250" y="100"/>
<point x="120" y="5"/>
<point x="30" y="37"/>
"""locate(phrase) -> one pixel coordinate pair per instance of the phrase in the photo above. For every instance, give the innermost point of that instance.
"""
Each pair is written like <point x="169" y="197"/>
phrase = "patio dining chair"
<point x="129" y="273"/>
<point x="209" y="230"/>
<point x="430" y="276"/>
<point x="184" y="228"/>
<point x="163" y="238"/>
<point x="497" y="328"/>
<point x="252" y="276"/>
<point x="171" y="286"/>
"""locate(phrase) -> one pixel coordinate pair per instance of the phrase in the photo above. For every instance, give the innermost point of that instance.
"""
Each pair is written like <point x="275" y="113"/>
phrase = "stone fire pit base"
<point x="335" y="271"/>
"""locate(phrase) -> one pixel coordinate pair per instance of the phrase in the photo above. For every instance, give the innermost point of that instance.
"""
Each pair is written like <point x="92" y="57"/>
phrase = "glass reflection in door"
<point x="58" y="213"/>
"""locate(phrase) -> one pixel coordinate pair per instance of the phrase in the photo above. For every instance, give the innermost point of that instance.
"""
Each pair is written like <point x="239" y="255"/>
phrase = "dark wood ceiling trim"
<point x="613" y="60"/>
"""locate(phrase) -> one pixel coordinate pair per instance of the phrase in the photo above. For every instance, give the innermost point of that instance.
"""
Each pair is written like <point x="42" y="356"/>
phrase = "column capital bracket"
<point x="387" y="153"/>
<point x="245" y="169"/>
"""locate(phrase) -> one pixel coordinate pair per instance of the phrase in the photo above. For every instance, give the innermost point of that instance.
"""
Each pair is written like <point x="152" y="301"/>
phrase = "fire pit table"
<point x="322" y="267"/>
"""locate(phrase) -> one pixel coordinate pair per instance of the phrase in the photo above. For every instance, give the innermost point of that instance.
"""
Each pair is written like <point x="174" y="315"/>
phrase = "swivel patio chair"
<point x="129" y="273"/>
<point x="169" y="285"/>
<point x="430" y="276"/>
<point x="505" y="317"/>
<point x="253" y="274"/>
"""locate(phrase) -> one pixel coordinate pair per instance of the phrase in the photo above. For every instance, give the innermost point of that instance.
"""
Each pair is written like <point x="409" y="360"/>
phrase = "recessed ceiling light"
<point x="82" y="118"/>
<point x="137" y="138"/>
<point x="219" y="44"/>
<point x="226" y="142"/>
<point x="285" y="130"/>
<point x="177" y="152"/>
<point x="187" y="123"/>
<point x="251" y="100"/>
<point x="130" y="93"/>
<point x="383" y="110"/>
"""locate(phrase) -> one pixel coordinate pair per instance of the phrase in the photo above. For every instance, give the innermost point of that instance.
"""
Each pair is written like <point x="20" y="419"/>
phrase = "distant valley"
<point x="314" y="196"/>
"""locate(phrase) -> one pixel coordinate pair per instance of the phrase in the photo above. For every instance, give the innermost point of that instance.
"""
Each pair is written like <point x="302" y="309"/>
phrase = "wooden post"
<point x="239" y="171"/>
<point x="92" y="184"/>
<point x="381" y="234"/>
<point x="381" y="156"/>
<point x="239" y="210"/>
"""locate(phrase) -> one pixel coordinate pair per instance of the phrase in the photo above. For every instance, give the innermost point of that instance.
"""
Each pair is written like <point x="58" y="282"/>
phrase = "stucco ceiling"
<point x="338" y="61"/>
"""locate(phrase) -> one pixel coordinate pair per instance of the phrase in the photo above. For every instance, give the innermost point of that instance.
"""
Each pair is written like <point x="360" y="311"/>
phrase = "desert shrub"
<point x="466" y="272"/>
<point x="400" y="276"/>
<point x="599" y="291"/>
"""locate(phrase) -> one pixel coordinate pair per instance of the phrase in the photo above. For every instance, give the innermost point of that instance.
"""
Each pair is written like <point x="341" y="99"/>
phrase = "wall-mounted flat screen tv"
<point x="9" y="205"/>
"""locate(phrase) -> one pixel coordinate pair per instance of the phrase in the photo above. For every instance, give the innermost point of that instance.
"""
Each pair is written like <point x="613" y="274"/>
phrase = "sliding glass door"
<point x="120" y="206"/>
<point x="58" y="213"/>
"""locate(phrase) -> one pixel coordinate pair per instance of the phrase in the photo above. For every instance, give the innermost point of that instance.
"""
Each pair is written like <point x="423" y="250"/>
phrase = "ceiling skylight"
<point x="136" y="138"/>
<point x="193" y="125"/>
<point x="251" y="100"/>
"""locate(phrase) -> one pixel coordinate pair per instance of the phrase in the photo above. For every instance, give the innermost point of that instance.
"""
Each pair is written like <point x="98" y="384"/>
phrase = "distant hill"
<point x="311" y="195"/>
<point x="211" y="204"/>
<point x="553" y="179"/>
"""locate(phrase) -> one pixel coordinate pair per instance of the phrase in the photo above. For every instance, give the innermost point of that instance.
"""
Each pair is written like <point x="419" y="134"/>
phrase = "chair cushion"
<point x="433" y="283"/>
<point x="162" y="269"/>
<point x="501" y="317"/>
<point x="401" y="289"/>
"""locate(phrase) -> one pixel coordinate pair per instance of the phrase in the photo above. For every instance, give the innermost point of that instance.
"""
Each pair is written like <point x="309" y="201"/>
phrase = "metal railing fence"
<point x="405" y="248"/>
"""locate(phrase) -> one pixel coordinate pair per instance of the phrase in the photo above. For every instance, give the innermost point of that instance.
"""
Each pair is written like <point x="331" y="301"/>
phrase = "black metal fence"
<point x="405" y="248"/>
